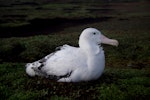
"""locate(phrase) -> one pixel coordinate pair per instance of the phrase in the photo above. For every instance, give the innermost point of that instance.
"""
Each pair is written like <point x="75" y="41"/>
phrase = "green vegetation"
<point x="127" y="71"/>
<point x="115" y="84"/>
<point x="22" y="12"/>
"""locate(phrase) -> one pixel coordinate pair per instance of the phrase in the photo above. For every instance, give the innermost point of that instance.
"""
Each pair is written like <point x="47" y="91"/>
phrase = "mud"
<point x="46" y="26"/>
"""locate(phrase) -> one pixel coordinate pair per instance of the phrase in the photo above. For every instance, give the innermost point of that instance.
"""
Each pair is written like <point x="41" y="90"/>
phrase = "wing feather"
<point x="60" y="63"/>
<point x="64" y="61"/>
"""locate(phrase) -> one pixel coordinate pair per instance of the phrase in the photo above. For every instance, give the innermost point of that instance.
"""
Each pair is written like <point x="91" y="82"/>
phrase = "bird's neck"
<point x="95" y="56"/>
<point x="89" y="48"/>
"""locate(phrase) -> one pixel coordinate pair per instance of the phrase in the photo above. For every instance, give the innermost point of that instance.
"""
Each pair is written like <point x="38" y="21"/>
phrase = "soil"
<point x="46" y="26"/>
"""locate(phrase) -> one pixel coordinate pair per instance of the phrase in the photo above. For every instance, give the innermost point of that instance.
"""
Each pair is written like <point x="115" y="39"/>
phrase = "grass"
<point x="127" y="71"/>
<point x="20" y="13"/>
<point x="115" y="84"/>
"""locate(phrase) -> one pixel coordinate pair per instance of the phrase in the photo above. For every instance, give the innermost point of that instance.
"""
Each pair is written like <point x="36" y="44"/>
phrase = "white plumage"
<point x="74" y="64"/>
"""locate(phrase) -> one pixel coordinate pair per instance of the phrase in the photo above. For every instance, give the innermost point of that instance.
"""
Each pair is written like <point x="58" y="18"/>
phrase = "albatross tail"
<point x="29" y="69"/>
<point x="35" y="68"/>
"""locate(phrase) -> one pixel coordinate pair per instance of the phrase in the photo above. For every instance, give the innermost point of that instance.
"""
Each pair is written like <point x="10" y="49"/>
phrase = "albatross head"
<point x="93" y="36"/>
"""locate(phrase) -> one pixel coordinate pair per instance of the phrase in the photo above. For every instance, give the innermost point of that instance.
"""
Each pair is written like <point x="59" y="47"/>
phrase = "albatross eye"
<point x="94" y="33"/>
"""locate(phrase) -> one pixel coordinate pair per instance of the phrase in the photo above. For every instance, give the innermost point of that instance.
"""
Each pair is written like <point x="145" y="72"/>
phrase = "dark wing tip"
<point x="55" y="77"/>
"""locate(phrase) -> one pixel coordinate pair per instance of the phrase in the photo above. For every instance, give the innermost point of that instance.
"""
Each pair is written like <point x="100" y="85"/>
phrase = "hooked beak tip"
<point x="116" y="43"/>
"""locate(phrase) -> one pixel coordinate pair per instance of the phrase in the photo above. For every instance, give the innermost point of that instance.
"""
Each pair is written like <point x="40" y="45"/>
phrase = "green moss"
<point x="114" y="84"/>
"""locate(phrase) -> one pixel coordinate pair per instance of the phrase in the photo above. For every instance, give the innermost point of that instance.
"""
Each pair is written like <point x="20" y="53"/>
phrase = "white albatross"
<point x="74" y="64"/>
